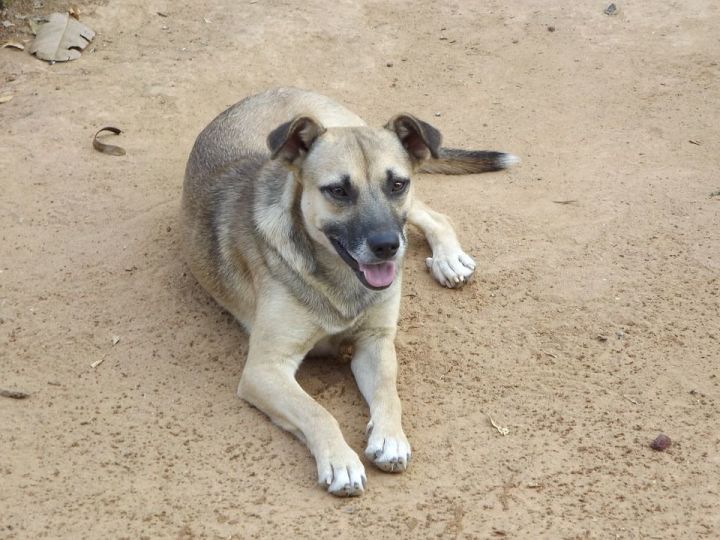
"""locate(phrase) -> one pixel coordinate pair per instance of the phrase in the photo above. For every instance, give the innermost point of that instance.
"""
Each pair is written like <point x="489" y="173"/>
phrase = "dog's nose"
<point x="384" y="245"/>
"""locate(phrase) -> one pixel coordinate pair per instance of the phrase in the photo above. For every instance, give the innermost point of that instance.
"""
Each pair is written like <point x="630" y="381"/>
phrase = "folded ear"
<point x="419" y="138"/>
<point x="292" y="140"/>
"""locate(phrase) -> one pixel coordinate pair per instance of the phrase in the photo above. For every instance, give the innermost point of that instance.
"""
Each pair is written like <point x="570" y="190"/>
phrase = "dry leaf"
<point x="6" y="98"/>
<point x="12" y="45"/>
<point x="61" y="39"/>
<point x="110" y="149"/>
<point x="34" y="26"/>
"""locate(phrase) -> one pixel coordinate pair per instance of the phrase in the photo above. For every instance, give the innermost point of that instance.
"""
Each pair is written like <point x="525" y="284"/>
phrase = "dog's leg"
<point x="268" y="382"/>
<point x="449" y="264"/>
<point x="374" y="366"/>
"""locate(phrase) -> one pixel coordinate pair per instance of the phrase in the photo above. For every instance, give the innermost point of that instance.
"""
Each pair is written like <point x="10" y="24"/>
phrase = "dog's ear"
<point x="292" y="140"/>
<point x="419" y="138"/>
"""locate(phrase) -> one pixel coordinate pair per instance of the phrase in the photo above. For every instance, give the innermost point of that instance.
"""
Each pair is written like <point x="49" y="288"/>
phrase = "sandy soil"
<point x="591" y="327"/>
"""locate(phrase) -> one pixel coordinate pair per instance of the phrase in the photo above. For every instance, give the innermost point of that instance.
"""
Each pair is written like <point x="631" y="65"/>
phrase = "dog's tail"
<point x="454" y="161"/>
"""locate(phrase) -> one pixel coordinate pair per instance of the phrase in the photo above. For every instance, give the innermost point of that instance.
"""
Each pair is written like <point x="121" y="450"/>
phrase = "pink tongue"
<point x="379" y="275"/>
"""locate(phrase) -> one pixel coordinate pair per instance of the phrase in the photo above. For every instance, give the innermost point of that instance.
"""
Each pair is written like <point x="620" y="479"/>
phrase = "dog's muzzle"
<point x="376" y="276"/>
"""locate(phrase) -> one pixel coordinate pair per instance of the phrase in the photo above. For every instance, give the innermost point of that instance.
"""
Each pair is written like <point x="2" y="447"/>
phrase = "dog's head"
<point x="356" y="187"/>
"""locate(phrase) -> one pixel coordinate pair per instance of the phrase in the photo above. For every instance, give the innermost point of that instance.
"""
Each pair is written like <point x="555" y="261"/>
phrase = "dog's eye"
<point x="398" y="186"/>
<point x="336" y="192"/>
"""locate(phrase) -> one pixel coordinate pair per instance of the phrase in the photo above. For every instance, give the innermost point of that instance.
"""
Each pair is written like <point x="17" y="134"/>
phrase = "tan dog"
<point x="294" y="215"/>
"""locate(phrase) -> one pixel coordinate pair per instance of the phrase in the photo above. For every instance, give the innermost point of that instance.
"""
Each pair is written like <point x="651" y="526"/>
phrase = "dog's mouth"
<point x="374" y="276"/>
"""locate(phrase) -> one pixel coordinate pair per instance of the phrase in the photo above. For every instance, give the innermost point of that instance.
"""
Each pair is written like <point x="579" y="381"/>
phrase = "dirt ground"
<point x="592" y="326"/>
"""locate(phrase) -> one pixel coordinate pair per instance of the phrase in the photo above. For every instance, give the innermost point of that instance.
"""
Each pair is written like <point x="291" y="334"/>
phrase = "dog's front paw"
<point x="390" y="452"/>
<point x="342" y="473"/>
<point x="451" y="270"/>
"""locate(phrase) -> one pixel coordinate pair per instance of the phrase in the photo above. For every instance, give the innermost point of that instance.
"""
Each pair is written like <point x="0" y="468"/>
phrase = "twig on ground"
<point x="13" y="394"/>
<point x="631" y="400"/>
<point x="501" y="430"/>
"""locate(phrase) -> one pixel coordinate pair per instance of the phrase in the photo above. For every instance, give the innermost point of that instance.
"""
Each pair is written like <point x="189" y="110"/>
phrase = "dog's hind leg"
<point x="374" y="366"/>
<point x="280" y="339"/>
<point x="449" y="264"/>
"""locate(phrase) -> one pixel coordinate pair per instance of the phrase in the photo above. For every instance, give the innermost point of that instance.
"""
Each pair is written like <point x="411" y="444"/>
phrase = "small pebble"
<point x="551" y="28"/>
<point x="661" y="442"/>
<point x="610" y="10"/>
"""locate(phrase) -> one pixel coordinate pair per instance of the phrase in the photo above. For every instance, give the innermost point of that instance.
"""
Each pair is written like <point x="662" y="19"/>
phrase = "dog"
<point x="294" y="216"/>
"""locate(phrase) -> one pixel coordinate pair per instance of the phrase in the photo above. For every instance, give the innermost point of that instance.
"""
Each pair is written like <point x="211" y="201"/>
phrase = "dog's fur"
<point x="294" y="215"/>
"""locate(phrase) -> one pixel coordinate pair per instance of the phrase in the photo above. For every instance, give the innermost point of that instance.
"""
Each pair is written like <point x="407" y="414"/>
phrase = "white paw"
<point x="389" y="453"/>
<point x="453" y="269"/>
<point x="342" y="473"/>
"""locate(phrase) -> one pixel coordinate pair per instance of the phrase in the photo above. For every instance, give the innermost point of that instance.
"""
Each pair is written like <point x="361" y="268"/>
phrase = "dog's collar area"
<point x="354" y="265"/>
